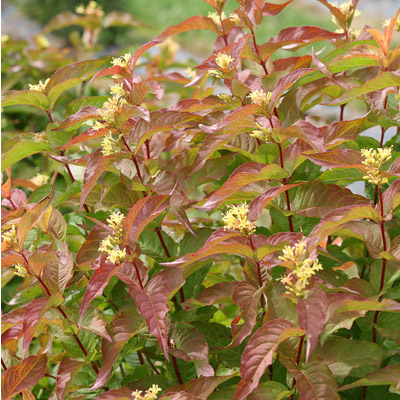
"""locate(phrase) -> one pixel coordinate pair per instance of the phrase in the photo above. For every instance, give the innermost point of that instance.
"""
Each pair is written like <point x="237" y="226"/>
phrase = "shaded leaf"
<point x="25" y="97"/>
<point x="84" y="114"/>
<point x="65" y="375"/>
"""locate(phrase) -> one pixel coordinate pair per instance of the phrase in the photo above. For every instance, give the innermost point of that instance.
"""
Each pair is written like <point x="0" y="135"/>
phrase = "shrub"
<point x="193" y="231"/>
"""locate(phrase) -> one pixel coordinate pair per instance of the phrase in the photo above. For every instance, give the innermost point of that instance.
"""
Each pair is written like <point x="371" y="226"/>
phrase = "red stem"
<point x="178" y="374"/>
<point x="382" y="226"/>
<point x="257" y="51"/>
<point x="3" y="365"/>
<point x="342" y="112"/>
<point x="152" y="365"/>
<point x="138" y="276"/>
<point x="134" y="160"/>
<point x="260" y="282"/>
<point x="223" y="29"/>
<point x="147" y="149"/>
<point x="297" y="362"/>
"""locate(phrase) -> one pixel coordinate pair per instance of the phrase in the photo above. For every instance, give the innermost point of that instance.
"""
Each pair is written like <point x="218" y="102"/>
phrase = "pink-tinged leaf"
<point x="127" y="323"/>
<point x="90" y="249"/>
<point x="33" y="314"/>
<point x="116" y="394"/>
<point x="287" y="82"/>
<point x="261" y="201"/>
<point x="161" y="120"/>
<point x="12" y="318"/>
<point x="98" y="281"/>
<point x="32" y="217"/>
<point x="64" y="19"/>
<point x="391" y="197"/>
<point x="84" y="114"/>
<point x="199" y="389"/>
<point x="300" y="35"/>
<point x="274" y="9"/>
<point x="382" y="81"/>
<point x="25" y="97"/>
<point x="368" y="305"/>
<point x="216" y="293"/>
<point x="115" y="70"/>
<point x="304" y="131"/>
<point x="342" y="355"/>
<point x="367" y="231"/>
<point x="84" y="137"/>
<point x="190" y="345"/>
<point x="385" y="376"/>
<point x="57" y="274"/>
<point x="269" y="390"/>
<point x="27" y="395"/>
<point x="69" y="76"/>
<point x="316" y="199"/>
<point x="220" y="242"/>
<point x="141" y="213"/>
<point x="312" y="316"/>
<point x="336" y="12"/>
<point x="338" y="158"/>
<point x="259" y="353"/>
<point x="23" y="376"/>
<point x="141" y="89"/>
<point x="110" y="352"/>
<point x="152" y="302"/>
<point x="315" y="382"/>
<point x="341" y="131"/>
<point x="97" y="164"/>
<point x="93" y="322"/>
<point x="191" y="24"/>
<point x="119" y="18"/>
<point x="65" y="375"/>
<point x="247" y="297"/>
<point x="244" y="175"/>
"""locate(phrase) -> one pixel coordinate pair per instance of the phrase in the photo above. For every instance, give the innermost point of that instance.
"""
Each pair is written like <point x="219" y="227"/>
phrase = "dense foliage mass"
<point x="191" y="234"/>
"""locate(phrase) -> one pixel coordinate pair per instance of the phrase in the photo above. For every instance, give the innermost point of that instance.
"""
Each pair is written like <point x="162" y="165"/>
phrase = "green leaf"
<point x="21" y="150"/>
<point x="27" y="97"/>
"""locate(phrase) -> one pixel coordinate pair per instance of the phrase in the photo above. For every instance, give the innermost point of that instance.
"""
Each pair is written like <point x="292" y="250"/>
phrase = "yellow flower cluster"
<point x="303" y="269"/>
<point x="190" y="72"/>
<point x="223" y="60"/>
<point x="20" y="270"/>
<point x="263" y="134"/>
<point x="40" y="137"/>
<point x="109" y="145"/>
<point x="40" y="180"/>
<point x="225" y="97"/>
<point x="236" y="218"/>
<point x="121" y="61"/>
<point x="347" y="9"/>
<point x="374" y="159"/>
<point x="42" y="41"/>
<point x="150" y="394"/>
<point x="216" y="18"/>
<point x="10" y="237"/>
<point x="91" y="9"/>
<point x="110" y="107"/>
<point x="260" y="97"/>
<point x="40" y="87"/>
<point x="110" y="244"/>
<point x="397" y="25"/>
<point x="235" y="19"/>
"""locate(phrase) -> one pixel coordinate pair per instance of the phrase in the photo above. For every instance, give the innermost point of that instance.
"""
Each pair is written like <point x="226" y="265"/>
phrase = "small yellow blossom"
<point x="115" y="221"/>
<point x="223" y="60"/>
<point x="42" y="41"/>
<point x="91" y="9"/>
<point x="117" y="256"/>
<point x="97" y="125"/>
<point x="151" y="394"/>
<point x="260" y="97"/>
<point x="225" y="97"/>
<point x="263" y="134"/>
<point x="10" y="237"/>
<point x="236" y="218"/>
<point x="5" y="39"/>
<point x="40" y="137"/>
<point x="117" y="90"/>
<point x="216" y="18"/>
<point x="397" y="25"/>
<point x="109" y="145"/>
<point x="40" y="87"/>
<point x="215" y="73"/>
<point x="122" y="61"/>
<point x="302" y="268"/>
<point x="170" y="46"/>
<point x="190" y="72"/>
<point x="374" y="160"/>
<point x="40" y="180"/>
<point x="348" y="11"/>
<point x="235" y="19"/>
<point x="20" y="270"/>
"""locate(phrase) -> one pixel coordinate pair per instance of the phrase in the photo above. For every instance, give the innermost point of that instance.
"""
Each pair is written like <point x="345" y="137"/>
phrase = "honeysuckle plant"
<point x="192" y="233"/>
